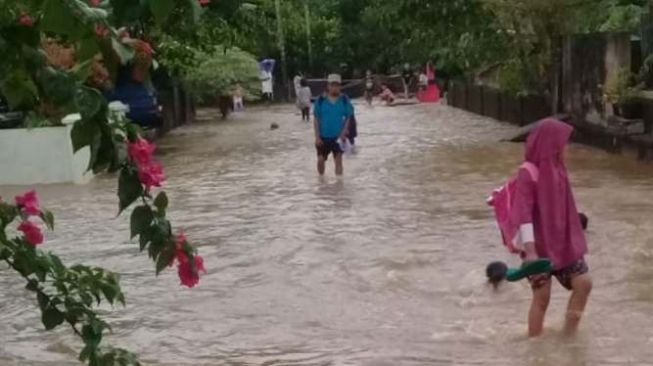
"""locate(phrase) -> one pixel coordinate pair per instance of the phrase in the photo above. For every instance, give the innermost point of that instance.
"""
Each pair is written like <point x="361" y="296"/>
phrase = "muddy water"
<point x="382" y="267"/>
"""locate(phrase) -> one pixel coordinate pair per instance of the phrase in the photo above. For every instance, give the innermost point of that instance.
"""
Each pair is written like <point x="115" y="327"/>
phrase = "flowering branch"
<point x="64" y="294"/>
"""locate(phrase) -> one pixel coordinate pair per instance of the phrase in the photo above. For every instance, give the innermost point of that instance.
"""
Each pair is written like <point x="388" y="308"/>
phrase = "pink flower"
<point x="29" y="203"/>
<point x="151" y="175"/>
<point x="144" y="48"/>
<point x="140" y="152"/>
<point x="199" y="264"/>
<point x="32" y="233"/>
<point x="123" y="34"/>
<point x="25" y="20"/>
<point x="189" y="275"/>
<point x="101" y="30"/>
<point x="205" y="2"/>
<point x="95" y="3"/>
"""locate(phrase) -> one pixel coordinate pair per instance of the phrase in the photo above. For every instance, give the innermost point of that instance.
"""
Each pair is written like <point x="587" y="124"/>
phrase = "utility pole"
<point x="307" y="13"/>
<point x="282" y="47"/>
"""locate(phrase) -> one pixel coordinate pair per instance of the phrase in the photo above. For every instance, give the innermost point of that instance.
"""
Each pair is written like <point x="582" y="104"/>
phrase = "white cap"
<point x="334" y="78"/>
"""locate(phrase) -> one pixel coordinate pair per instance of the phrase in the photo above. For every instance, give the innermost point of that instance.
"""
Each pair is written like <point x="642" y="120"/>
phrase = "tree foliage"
<point x="69" y="295"/>
<point x="221" y="71"/>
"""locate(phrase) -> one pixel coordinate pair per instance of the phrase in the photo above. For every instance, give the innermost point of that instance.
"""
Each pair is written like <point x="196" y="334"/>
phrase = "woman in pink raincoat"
<point x="549" y="225"/>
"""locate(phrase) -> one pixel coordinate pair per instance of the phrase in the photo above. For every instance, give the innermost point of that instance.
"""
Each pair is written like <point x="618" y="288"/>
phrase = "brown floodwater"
<point x="382" y="267"/>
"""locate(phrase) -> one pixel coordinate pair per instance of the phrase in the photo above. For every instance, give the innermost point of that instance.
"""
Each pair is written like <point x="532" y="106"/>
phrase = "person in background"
<point x="406" y="78"/>
<point x="297" y="84"/>
<point x="550" y="226"/>
<point x="387" y="95"/>
<point x="267" y="85"/>
<point x="304" y="97"/>
<point x="238" y="98"/>
<point x="423" y="81"/>
<point x="369" y="87"/>
<point x="333" y="113"/>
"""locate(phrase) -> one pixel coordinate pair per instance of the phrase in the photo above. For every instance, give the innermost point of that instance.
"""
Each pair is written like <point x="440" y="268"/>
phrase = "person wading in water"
<point x="333" y="113"/>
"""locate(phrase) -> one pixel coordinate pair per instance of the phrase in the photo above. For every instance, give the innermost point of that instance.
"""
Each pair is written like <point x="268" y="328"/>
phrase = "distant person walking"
<point x="369" y="87"/>
<point x="406" y="78"/>
<point x="267" y="83"/>
<point x="304" y="96"/>
<point x="333" y="113"/>
<point x="432" y="92"/>
<point x="296" y="81"/>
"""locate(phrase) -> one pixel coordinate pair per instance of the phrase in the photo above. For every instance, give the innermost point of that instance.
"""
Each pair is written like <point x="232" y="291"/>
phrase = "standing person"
<point x="267" y="83"/>
<point x="304" y="96"/>
<point x="406" y="77"/>
<point x="297" y="84"/>
<point x="369" y="87"/>
<point x="432" y="92"/>
<point x="238" y="98"/>
<point x="333" y="113"/>
<point x="549" y="227"/>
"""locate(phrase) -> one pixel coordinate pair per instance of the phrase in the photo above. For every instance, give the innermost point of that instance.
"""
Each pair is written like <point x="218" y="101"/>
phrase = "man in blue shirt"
<point x="333" y="113"/>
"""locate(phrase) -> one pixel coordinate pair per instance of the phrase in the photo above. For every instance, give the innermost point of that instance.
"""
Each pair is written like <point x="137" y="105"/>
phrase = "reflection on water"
<point x="381" y="267"/>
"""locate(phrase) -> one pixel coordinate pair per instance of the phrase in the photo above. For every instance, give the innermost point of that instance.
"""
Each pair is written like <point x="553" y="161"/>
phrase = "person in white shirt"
<point x="266" y="85"/>
<point x="304" y="96"/>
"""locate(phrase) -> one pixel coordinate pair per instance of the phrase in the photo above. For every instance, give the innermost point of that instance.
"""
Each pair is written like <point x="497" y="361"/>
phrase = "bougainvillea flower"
<point x="29" y="203"/>
<point x="151" y="175"/>
<point x="141" y="151"/>
<point x="32" y="232"/>
<point x="26" y="20"/>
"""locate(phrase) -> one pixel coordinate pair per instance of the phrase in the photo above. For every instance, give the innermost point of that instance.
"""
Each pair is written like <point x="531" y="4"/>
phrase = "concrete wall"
<point x="41" y="156"/>
<point x="588" y="62"/>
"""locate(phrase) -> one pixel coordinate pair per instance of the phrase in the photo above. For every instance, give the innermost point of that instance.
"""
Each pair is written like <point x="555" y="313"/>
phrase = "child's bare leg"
<point x="541" y="298"/>
<point x="321" y="160"/>
<point x="339" y="167"/>
<point x="581" y="286"/>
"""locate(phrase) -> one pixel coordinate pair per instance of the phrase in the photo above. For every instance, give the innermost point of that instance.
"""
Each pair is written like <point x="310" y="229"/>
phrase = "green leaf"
<point x="83" y="134"/>
<point x="133" y="131"/>
<point x="145" y="238"/>
<point x="125" y="53"/>
<point x="19" y="89"/>
<point x="32" y="285"/>
<point x="92" y="334"/>
<point x="52" y="317"/>
<point x="58" y="18"/>
<point x="120" y="154"/>
<point x="161" y="202"/>
<point x="161" y="9"/>
<point x="88" y="101"/>
<point x="102" y="151"/>
<point x="82" y="70"/>
<point x="23" y="264"/>
<point x="87" y="49"/>
<point x="165" y="258"/>
<point x="86" y="353"/>
<point x="57" y="85"/>
<point x="141" y="219"/>
<point x="129" y="188"/>
<point x="48" y="218"/>
<point x="43" y="300"/>
<point x="110" y="292"/>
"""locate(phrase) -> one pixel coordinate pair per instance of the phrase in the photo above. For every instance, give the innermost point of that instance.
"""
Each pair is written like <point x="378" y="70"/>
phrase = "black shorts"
<point x="329" y="146"/>
<point x="565" y="275"/>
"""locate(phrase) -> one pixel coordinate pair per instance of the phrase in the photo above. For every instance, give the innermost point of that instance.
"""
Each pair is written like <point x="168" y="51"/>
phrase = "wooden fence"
<point x="501" y="106"/>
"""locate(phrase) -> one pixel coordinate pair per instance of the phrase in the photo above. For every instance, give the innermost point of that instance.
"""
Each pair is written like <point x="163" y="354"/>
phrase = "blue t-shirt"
<point x="332" y="116"/>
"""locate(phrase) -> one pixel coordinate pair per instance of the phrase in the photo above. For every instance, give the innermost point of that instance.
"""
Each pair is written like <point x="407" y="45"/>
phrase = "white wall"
<point x="41" y="156"/>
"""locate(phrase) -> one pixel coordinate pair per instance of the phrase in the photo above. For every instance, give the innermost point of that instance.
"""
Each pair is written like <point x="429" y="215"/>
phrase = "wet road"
<point x="382" y="267"/>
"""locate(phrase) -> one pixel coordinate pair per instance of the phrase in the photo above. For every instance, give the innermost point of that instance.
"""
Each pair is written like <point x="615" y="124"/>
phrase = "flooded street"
<point x="382" y="267"/>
